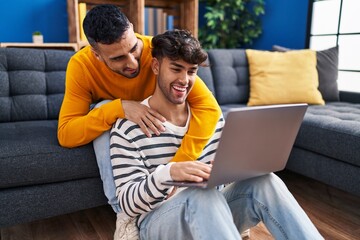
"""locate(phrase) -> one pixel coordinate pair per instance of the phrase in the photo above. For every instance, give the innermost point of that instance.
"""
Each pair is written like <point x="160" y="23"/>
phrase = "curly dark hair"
<point x="178" y="44"/>
<point x="105" y="24"/>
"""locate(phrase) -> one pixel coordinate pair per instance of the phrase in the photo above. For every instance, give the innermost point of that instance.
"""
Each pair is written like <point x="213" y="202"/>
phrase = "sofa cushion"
<point x="332" y="130"/>
<point x="32" y="83"/>
<point x="327" y="62"/>
<point x="205" y="74"/>
<point x="226" y="107"/>
<point x="328" y="170"/>
<point x="30" y="154"/>
<point x="283" y="77"/>
<point x="230" y="74"/>
<point x="327" y="66"/>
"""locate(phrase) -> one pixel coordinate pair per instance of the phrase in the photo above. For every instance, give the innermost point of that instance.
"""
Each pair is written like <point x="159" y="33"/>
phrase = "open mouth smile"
<point x="180" y="88"/>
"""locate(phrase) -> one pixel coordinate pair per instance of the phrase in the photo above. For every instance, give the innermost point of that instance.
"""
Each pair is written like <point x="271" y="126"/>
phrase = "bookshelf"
<point x="184" y="12"/>
<point x="64" y="46"/>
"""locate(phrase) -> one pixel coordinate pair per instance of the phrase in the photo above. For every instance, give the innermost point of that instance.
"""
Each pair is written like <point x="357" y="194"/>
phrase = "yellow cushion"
<point x="283" y="77"/>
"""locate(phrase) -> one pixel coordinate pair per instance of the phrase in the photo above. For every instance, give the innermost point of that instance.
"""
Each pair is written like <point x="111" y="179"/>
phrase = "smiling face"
<point x="175" y="78"/>
<point x="122" y="57"/>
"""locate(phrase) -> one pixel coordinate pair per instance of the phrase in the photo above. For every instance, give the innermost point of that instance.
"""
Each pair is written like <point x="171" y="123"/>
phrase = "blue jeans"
<point x="102" y="151"/>
<point x="209" y="214"/>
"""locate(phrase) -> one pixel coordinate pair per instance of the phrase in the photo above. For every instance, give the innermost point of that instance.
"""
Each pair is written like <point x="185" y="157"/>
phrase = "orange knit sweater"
<point x="89" y="80"/>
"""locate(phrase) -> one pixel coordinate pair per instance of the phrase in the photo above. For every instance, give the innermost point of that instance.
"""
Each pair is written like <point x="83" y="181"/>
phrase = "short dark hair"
<point x="105" y="24"/>
<point x="178" y="44"/>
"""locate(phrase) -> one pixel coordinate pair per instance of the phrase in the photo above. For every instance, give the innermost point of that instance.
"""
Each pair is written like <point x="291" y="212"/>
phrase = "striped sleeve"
<point x="208" y="153"/>
<point x="139" y="167"/>
<point x="140" y="164"/>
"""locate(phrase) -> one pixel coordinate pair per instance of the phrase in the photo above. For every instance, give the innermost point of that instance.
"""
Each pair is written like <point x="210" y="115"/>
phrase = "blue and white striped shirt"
<point x="140" y="164"/>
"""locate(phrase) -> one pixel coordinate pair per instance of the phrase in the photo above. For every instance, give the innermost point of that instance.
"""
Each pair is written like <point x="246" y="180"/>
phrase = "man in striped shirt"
<point x="141" y="164"/>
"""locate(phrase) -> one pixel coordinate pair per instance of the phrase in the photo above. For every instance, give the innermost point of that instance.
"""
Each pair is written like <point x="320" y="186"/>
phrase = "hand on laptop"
<point x="193" y="171"/>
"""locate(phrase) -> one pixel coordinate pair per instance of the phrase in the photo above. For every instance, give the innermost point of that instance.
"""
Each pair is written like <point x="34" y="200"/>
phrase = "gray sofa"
<point x="327" y="147"/>
<point x="40" y="179"/>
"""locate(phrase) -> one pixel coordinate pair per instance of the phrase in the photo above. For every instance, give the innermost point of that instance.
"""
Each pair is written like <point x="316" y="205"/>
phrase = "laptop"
<point x="255" y="141"/>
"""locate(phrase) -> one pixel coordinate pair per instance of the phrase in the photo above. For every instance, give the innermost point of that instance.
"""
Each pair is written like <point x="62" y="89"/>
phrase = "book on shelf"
<point x="82" y="13"/>
<point x="157" y="21"/>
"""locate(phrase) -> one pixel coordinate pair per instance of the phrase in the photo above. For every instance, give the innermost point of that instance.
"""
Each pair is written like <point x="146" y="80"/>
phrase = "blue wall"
<point x="284" y="22"/>
<point x="20" y="18"/>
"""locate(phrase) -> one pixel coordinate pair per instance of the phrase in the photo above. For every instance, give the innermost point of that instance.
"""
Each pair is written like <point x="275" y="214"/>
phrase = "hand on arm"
<point x="195" y="171"/>
<point x="144" y="116"/>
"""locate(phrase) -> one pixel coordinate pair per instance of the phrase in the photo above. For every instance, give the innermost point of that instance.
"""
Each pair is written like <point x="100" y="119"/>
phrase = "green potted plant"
<point x="37" y="37"/>
<point x="231" y="23"/>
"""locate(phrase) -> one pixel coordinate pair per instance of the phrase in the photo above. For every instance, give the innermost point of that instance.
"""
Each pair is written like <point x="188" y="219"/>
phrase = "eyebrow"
<point x="134" y="47"/>
<point x="131" y="50"/>
<point x="181" y="66"/>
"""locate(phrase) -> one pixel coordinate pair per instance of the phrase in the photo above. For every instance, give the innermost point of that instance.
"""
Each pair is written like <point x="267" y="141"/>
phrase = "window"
<point x="336" y="22"/>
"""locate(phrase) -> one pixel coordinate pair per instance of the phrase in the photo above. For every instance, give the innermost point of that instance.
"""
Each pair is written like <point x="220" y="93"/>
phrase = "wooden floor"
<point x="336" y="214"/>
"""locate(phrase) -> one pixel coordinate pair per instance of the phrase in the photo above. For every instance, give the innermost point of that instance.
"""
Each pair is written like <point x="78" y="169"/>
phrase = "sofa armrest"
<point x="353" y="97"/>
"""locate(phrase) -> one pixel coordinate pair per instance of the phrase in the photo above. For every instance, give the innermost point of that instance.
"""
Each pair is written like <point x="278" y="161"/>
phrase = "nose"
<point x="184" y="77"/>
<point x="131" y="61"/>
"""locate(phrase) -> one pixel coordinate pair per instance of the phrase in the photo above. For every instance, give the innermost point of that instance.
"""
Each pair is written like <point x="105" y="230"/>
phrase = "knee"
<point x="265" y="183"/>
<point x="205" y="198"/>
<point x="207" y="202"/>
<point x="272" y="181"/>
<point x="264" y="179"/>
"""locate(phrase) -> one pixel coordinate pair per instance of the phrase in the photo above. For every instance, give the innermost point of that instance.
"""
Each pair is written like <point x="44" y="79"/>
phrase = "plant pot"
<point x="38" y="39"/>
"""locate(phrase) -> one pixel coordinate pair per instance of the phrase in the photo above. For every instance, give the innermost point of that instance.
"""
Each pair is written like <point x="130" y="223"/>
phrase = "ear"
<point x="98" y="57"/>
<point x="155" y="66"/>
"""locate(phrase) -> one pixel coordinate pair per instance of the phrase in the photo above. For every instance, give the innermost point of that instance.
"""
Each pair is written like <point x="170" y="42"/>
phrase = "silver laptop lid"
<point x="256" y="141"/>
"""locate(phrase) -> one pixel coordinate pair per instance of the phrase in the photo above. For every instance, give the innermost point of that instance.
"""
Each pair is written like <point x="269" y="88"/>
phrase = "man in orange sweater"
<point x="116" y="67"/>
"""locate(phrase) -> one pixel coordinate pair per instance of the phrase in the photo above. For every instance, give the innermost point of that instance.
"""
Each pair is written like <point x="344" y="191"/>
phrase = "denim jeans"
<point x="209" y="214"/>
<point x="102" y="151"/>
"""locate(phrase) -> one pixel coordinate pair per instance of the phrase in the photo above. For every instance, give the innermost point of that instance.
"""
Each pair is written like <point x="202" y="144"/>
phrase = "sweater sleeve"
<point x="205" y="114"/>
<point x="78" y="125"/>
